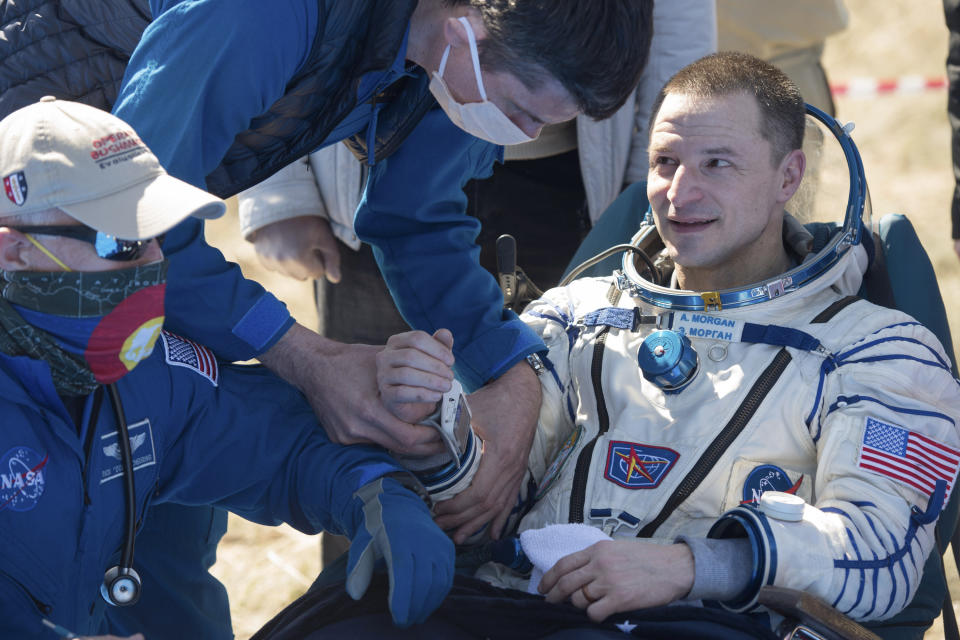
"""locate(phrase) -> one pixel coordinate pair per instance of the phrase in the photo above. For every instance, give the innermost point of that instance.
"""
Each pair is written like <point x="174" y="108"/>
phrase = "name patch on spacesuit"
<point x="767" y="477"/>
<point x="181" y="352"/>
<point x="632" y="465"/>
<point x="141" y="448"/>
<point x="21" y="479"/>
<point x="701" y="325"/>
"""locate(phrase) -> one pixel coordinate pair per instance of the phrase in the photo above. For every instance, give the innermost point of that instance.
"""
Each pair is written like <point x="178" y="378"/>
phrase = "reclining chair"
<point x="900" y="276"/>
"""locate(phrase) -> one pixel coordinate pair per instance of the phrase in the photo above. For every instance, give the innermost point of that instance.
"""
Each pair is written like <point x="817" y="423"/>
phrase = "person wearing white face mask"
<point x="547" y="193"/>
<point x="228" y="91"/>
<point x="483" y="119"/>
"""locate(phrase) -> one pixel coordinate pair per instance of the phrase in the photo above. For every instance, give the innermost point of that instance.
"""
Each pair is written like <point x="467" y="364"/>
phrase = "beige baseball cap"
<point x="93" y="166"/>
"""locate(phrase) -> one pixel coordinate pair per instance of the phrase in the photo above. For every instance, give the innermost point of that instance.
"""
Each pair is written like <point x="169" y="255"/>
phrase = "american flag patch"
<point x="181" y="352"/>
<point x="910" y="458"/>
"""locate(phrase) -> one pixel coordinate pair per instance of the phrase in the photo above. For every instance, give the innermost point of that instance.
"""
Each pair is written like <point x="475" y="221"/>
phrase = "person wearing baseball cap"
<point x="92" y="165"/>
<point x="99" y="425"/>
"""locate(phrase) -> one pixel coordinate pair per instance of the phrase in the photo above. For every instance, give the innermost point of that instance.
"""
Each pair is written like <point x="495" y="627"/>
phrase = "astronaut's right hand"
<point x="301" y="247"/>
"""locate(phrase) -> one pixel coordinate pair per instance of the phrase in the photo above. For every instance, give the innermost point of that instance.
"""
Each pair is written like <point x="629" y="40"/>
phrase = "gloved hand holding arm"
<point x="393" y="524"/>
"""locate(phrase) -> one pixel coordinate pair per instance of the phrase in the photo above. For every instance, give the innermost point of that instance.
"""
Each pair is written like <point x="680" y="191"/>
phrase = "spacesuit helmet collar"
<point x="813" y="232"/>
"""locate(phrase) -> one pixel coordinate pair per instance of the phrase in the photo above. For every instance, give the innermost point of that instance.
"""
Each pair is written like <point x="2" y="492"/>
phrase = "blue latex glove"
<point x="398" y="528"/>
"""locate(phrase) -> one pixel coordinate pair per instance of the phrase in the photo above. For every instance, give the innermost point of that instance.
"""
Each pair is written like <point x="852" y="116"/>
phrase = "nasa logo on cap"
<point x="21" y="479"/>
<point x="15" y="186"/>
<point x="767" y="477"/>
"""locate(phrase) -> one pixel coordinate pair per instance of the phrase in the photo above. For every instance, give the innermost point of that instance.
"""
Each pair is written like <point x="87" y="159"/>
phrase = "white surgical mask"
<point x="484" y="119"/>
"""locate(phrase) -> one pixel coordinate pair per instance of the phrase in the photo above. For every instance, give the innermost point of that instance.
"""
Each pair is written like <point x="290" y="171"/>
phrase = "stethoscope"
<point x="121" y="584"/>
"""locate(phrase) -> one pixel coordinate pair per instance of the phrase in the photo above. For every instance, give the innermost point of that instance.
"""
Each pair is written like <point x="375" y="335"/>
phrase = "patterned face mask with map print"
<point x="90" y="327"/>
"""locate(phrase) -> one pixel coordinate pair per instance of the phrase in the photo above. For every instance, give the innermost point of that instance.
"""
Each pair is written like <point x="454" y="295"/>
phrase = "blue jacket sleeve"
<point x="252" y="445"/>
<point x="414" y="215"/>
<point x="202" y="70"/>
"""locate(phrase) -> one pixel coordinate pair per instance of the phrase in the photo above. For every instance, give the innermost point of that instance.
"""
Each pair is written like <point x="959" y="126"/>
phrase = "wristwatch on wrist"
<point x="536" y="363"/>
<point x="452" y="420"/>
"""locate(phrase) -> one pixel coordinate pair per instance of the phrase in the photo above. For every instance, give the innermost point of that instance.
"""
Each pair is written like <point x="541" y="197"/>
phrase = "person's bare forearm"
<point x="285" y="357"/>
<point x="339" y="381"/>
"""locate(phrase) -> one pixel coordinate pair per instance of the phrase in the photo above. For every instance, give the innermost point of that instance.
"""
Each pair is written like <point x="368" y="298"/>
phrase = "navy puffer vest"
<point x="78" y="49"/>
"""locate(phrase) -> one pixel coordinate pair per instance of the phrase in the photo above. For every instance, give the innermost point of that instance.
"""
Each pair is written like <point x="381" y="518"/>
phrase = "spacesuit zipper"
<point x="578" y="494"/>
<point x="88" y="441"/>
<point x="722" y="442"/>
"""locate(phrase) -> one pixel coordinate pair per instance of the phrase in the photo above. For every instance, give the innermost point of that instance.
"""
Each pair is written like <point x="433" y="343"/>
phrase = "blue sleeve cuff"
<point x="491" y="354"/>
<point x="264" y="323"/>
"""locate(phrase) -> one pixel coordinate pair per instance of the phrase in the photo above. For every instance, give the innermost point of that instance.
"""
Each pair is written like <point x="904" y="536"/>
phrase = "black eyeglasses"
<point x="107" y="247"/>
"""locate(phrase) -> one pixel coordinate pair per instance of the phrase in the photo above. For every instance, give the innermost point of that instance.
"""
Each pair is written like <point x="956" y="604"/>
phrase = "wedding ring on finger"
<point x="586" y="596"/>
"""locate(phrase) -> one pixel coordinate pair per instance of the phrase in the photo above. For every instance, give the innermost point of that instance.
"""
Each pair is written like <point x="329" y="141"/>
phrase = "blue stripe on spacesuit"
<point x="858" y="398"/>
<point x="831" y="364"/>
<point x="903" y="570"/>
<point x="553" y="371"/>
<point x="897" y="357"/>
<point x="863" y="573"/>
<point x="564" y="320"/>
<point x="556" y="378"/>
<point x="543" y="316"/>
<point x="843" y="588"/>
<point x="827" y="366"/>
<point x="879" y="563"/>
<point x="844" y="357"/>
<point x="893" y="577"/>
<point x="848" y="400"/>
<point x="847" y="569"/>
<point x="772" y="548"/>
<point x="893" y="540"/>
<point x="873" y="601"/>
<point x="911" y="323"/>
<point x="916" y="521"/>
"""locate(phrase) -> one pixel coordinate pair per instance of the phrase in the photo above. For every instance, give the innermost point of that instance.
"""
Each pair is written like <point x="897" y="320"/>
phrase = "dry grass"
<point x="905" y="143"/>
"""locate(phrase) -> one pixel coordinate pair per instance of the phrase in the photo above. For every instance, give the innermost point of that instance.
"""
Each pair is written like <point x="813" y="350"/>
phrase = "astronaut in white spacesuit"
<point x="669" y="409"/>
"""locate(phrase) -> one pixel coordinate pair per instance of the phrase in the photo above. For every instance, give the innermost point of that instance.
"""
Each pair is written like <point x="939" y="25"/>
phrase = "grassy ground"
<point x="905" y="144"/>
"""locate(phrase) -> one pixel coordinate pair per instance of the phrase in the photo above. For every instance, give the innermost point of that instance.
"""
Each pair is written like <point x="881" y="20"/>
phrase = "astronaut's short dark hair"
<point x="782" y="113"/>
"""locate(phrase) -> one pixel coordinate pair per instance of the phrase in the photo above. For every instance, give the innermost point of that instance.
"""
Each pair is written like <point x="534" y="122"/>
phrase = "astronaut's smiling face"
<point x="716" y="192"/>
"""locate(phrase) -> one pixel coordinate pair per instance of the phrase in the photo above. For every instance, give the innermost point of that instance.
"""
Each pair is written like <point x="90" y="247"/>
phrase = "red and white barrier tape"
<point x="869" y="87"/>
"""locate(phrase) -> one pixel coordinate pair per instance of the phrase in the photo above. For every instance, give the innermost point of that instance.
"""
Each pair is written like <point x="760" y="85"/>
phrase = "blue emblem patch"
<point x="638" y="466"/>
<point x="21" y="478"/>
<point x="767" y="477"/>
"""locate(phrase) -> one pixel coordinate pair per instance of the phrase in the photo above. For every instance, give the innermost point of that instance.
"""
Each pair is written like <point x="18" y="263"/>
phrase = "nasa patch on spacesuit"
<point x="749" y="479"/>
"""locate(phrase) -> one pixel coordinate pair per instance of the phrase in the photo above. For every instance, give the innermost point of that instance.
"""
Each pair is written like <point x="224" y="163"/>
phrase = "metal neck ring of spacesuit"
<point x="851" y="234"/>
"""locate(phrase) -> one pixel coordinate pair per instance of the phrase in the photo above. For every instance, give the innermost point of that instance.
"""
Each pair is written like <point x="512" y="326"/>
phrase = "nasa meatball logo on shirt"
<point x="21" y="479"/>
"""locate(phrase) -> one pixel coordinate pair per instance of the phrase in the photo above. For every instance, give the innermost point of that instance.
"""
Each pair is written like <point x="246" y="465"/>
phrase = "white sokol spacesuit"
<point x="848" y="405"/>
